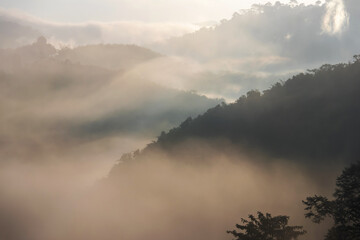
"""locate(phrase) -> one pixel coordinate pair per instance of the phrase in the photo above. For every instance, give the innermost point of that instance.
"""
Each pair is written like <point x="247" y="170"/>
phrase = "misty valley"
<point x="160" y="128"/>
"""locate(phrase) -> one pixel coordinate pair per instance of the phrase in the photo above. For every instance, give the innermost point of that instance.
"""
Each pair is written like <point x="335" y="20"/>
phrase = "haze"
<point x="172" y="119"/>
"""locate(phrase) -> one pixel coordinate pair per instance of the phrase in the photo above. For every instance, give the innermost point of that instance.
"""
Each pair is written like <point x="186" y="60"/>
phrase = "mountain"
<point x="111" y="56"/>
<point x="312" y="117"/>
<point x="267" y="150"/>
<point x="70" y="97"/>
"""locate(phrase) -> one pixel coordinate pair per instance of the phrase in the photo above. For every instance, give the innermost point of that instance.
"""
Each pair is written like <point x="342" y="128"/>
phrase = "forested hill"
<point x="312" y="115"/>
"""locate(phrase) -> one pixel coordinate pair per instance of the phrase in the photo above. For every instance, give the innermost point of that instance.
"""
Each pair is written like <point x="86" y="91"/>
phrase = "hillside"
<point x="313" y="115"/>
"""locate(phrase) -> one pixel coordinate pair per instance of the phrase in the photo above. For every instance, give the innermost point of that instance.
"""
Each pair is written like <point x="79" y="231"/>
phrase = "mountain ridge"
<point x="312" y="118"/>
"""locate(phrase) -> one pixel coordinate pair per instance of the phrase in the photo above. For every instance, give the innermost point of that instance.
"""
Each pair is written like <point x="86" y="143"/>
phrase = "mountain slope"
<point x="312" y="116"/>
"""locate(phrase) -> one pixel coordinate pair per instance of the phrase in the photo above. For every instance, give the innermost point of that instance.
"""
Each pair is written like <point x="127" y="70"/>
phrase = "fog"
<point x="251" y="49"/>
<point x="75" y="97"/>
<point x="156" y="197"/>
<point x="64" y="124"/>
<point x="57" y="106"/>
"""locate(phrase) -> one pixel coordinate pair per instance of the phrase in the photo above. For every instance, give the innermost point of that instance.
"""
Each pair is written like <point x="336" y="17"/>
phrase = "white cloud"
<point x="336" y="18"/>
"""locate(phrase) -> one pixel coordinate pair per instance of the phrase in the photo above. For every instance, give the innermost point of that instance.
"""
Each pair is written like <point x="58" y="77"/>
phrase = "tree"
<point x="344" y="209"/>
<point x="266" y="227"/>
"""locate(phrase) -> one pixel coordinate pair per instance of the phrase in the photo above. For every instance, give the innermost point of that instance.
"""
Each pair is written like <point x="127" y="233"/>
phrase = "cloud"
<point x="302" y="33"/>
<point x="74" y="34"/>
<point x="220" y="78"/>
<point x="336" y="18"/>
<point x="265" y="44"/>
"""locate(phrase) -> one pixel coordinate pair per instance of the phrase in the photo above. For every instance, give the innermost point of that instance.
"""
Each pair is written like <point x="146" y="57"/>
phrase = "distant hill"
<point x="62" y="102"/>
<point x="112" y="56"/>
<point x="312" y="116"/>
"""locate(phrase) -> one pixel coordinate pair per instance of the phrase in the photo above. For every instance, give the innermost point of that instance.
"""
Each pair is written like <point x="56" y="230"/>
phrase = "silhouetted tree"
<point x="344" y="209"/>
<point x="266" y="227"/>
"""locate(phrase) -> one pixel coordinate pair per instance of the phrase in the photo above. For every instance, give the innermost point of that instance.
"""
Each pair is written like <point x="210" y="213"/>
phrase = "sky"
<point x="185" y="11"/>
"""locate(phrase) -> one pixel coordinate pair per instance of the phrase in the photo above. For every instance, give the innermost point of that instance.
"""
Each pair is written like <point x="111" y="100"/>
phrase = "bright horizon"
<point x="181" y="11"/>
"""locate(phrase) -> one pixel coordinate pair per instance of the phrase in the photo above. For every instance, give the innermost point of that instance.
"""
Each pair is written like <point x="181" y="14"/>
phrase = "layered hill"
<point x="74" y="96"/>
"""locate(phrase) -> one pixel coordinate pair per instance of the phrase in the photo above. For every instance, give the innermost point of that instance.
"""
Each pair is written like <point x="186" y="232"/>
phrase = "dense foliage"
<point x="344" y="209"/>
<point x="266" y="227"/>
